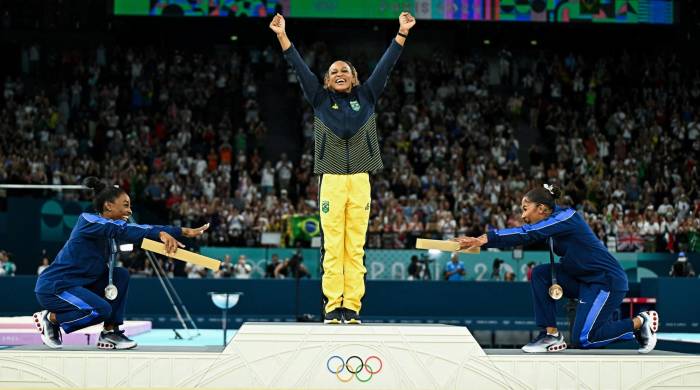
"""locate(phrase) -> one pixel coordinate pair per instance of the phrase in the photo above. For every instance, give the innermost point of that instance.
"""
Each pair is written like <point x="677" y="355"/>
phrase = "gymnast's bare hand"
<point x="170" y="242"/>
<point x="278" y="24"/>
<point x="192" y="233"/>
<point x="471" y="242"/>
<point x="406" y="22"/>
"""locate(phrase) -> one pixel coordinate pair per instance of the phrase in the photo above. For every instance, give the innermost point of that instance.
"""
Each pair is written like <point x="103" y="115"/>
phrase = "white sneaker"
<point x="115" y="339"/>
<point x="546" y="343"/>
<point x="646" y="335"/>
<point x="50" y="332"/>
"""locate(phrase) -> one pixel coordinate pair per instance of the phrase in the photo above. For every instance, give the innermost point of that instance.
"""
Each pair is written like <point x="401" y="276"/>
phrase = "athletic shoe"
<point x="351" y="317"/>
<point x="114" y="339"/>
<point x="50" y="332"/>
<point x="545" y="343"/>
<point x="646" y="334"/>
<point x="334" y="316"/>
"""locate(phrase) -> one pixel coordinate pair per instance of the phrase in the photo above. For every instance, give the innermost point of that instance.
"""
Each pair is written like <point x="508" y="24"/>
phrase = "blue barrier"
<point x="479" y="305"/>
<point x="676" y="302"/>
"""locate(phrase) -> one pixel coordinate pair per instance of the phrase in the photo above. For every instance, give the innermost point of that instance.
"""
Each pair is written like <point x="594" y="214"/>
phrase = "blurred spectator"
<point x="7" y="267"/>
<point x="509" y="276"/>
<point x="3" y="260"/>
<point x="292" y="267"/>
<point x="418" y="268"/>
<point x="272" y="266"/>
<point x="415" y="269"/>
<point x="226" y="268"/>
<point x="242" y="270"/>
<point x="496" y="269"/>
<point x="454" y="269"/>
<point x="284" y="171"/>
<point x="43" y="265"/>
<point x="682" y="268"/>
<point x="193" y="271"/>
<point x="530" y="267"/>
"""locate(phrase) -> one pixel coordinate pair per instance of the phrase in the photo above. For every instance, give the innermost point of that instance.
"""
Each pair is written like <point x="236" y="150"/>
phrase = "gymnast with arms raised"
<point x="346" y="150"/>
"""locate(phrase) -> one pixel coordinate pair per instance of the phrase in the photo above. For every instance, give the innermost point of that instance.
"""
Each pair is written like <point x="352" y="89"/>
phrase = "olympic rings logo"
<point x="354" y="367"/>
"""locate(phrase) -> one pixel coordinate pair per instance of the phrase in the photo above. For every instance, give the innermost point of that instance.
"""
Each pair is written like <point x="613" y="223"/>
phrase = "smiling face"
<point x="120" y="208"/>
<point x="341" y="77"/>
<point x="533" y="212"/>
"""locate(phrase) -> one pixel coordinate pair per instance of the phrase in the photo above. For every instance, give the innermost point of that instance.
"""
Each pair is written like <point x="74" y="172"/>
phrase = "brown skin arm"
<point x="406" y="22"/>
<point x="278" y="25"/>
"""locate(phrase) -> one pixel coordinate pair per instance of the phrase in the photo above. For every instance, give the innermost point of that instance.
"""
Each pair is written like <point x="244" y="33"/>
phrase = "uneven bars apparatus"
<point x="170" y="291"/>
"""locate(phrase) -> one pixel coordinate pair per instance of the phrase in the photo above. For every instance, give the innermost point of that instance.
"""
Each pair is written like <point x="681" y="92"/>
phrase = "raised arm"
<point x="406" y="22"/>
<point x="307" y="79"/>
<point x="377" y="80"/>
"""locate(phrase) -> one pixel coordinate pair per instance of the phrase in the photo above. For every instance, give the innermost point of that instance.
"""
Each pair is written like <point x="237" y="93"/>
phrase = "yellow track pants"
<point x="344" y="208"/>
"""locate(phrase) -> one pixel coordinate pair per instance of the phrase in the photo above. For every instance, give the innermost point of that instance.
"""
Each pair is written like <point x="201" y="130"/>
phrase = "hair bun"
<point x="553" y="190"/>
<point x="94" y="183"/>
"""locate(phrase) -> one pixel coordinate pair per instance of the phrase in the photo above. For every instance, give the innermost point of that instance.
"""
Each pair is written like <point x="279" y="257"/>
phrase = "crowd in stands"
<point x="463" y="135"/>
<point x="7" y="266"/>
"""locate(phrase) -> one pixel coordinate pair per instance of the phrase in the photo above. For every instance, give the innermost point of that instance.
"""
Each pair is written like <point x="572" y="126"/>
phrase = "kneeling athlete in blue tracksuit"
<point x="586" y="271"/>
<point x="71" y="289"/>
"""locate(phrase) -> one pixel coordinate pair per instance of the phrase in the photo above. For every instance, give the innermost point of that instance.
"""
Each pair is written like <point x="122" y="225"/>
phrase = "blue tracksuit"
<point x="586" y="271"/>
<point x="73" y="285"/>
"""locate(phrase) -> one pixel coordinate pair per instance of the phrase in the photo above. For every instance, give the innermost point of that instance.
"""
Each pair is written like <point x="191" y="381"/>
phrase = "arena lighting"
<point x="487" y="42"/>
<point x="533" y="42"/>
<point x="234" y="37"/>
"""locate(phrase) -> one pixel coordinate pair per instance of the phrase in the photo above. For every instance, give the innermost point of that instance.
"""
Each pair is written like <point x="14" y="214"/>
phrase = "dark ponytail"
<point x="546" y="195"/>
<point x="102" y="192"/>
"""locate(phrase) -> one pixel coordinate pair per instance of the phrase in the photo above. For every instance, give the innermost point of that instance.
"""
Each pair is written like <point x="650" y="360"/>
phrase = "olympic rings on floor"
<point x="367" y="366"/>
<point x="340" y="369"/>
<point x="354" y="366"/>
<point x="337" y="375"/>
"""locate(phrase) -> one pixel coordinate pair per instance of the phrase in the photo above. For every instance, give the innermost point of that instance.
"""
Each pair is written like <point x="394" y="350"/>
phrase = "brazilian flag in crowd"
<point x="303" y="228"/>
<point x="693" y="241"/>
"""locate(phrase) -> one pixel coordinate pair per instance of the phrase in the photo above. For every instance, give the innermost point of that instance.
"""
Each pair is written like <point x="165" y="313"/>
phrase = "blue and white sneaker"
<point x="646" y="335"/>
<point x="546" y="343"/>
<point x="115" y="339"/>
<point x="50" y="332"/>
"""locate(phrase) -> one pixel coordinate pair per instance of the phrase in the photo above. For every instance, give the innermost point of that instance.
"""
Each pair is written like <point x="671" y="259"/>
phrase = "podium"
<point x="368" y="356"/>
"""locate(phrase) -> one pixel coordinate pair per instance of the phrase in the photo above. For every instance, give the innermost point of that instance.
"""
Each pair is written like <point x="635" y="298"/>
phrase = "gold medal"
<point x="556" y="292"/>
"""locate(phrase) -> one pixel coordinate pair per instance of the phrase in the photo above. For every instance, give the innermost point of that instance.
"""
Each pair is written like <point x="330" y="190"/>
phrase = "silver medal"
<point x="111" y="292"/>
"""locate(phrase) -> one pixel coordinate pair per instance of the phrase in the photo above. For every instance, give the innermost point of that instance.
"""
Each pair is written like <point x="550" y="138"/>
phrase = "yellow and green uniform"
<point x="346" y="151"/>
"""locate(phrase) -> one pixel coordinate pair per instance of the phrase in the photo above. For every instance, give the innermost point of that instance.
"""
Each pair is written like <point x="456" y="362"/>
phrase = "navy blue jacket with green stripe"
<point x="345" y="125"/>
<point x="583" y="255"/>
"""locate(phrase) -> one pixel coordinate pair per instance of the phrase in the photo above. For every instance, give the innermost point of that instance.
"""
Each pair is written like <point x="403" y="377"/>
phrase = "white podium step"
<point x="377" y="356"/>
